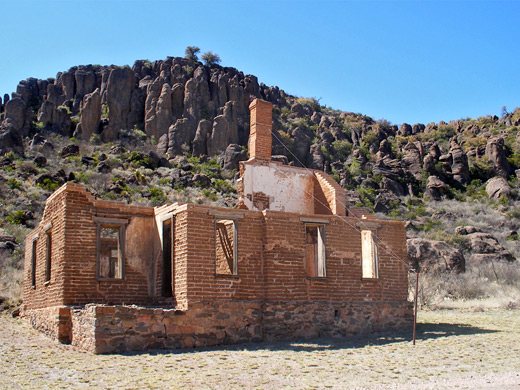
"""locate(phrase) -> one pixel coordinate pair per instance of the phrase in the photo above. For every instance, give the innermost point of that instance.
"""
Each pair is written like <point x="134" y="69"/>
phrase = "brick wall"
<point x="43" y="293"/>
<point x="270" y="297"/>
<point x="270" y="252"/>
<point x="71" y="211"/>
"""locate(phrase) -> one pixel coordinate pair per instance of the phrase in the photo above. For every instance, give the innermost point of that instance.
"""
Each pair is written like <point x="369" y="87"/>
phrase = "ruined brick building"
<point x="290" y="262"/>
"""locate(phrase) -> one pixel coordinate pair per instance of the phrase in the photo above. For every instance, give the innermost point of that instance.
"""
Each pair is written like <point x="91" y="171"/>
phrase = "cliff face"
<point x="177" y="101"/>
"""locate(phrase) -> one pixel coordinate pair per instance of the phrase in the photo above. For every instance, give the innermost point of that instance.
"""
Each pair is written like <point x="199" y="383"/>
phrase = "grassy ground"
<point x="455" y="349"/>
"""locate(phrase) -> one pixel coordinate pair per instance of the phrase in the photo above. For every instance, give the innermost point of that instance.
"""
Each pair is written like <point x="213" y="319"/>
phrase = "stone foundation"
<point x="105" y="329"/>
<point x="108" y="329"/>
<point x="286" y="321"/>
<point x="54" y="321"/>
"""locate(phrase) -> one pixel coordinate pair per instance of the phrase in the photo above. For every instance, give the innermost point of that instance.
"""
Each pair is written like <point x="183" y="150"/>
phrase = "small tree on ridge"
<point x="191" y="53"/>
<point x="210" y="58"/>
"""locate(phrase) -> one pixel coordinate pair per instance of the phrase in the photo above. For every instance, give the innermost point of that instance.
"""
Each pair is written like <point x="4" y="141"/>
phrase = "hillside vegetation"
<point x="175" y="130"/>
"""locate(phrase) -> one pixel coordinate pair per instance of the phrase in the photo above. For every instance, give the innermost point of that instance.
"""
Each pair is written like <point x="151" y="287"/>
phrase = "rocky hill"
<point x="175" y="130"/>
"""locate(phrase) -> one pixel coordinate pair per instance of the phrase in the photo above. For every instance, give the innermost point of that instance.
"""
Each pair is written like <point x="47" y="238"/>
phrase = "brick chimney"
<point x="260" y="139"/>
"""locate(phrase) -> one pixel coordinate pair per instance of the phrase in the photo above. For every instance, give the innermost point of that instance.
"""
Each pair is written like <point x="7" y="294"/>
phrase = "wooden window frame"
<point x="321" y="265"/>
<point x="234" y="271"/>
<point x="116" y="224"/>
<point x="374" y="256"/>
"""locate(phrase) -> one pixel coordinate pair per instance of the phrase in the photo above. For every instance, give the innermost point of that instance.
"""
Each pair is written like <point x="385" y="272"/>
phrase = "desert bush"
<point x="49" y="184"/>
<point x="342" y="149"/>
<point x="223" y="186"/>
<point x="157" y="196"/>
<point x="17" y="217"/>
<point x="311" y="102"/>
<point x="14" y="184"/>
<point x="491" y="284"/>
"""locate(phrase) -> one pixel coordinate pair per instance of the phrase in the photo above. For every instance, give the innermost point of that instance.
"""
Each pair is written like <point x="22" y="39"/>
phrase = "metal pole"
<point x="415" y="309"/>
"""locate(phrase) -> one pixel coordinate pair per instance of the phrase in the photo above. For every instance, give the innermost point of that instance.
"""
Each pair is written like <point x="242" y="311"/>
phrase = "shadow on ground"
<point x="424" y="332"/>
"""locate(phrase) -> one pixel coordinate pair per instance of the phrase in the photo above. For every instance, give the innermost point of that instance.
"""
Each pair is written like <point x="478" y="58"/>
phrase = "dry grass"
<point x="488" y="285"/>
<point x="455" y="349"/>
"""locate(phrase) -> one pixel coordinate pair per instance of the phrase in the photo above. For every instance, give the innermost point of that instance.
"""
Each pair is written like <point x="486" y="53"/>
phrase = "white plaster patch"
<point x="289" y="189"/>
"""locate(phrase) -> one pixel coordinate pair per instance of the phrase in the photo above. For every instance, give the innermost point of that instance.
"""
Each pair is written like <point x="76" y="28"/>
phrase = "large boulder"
<point x="302" y="136"/>
<point x="200" y="142"/>
<point x="436" y="188"/>
<point x="164" y="112"/>
<point x="434" y="256"/>
<point x="232" y="156"/>
<point x="10" y="141"/>
<point x="90" y="115"/>
<point x="61" y="122"/>
<point x="153" y="92"/>
<point x="67" y="82"/>
<point x="496" y="153"/>
<point x="498" y="187"/>
<point x="392" y="186"/>
<point x="485" y="247"/>
<point x="120" y="83"/>
<point x="405" y="130"/>
<point x="411" y="161"/>
<point x="70" y="150"/>
<point x="178" y="135"/>
<point x="459" y="165"/>
<point x="217" y="142"/>
<point x="224" y="132"/>
<point x="197" y="99"/>
<point x="46" y="113"/>
<point x="385" y="202"/>
<point x="16" y="116"/>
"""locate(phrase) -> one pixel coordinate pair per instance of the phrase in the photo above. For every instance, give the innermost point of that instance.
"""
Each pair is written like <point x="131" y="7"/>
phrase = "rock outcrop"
<point x="498" y="187"/>
<point x="434" y="256"/>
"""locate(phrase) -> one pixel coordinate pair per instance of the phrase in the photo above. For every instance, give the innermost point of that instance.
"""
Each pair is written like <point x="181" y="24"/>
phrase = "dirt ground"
<point x="455" y="349"/>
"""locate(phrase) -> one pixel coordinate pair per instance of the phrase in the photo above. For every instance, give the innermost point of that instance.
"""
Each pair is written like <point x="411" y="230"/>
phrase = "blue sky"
<point x="405" y="61"/>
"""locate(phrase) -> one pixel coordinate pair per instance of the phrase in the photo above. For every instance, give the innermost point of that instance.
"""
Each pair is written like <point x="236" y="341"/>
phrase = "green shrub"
<point x="342" y="149"/>
<point x="38" y="126"/>
<point x="137" y="160"/>
<point x="209" y="194"/>
<point x="17" y="217"/>
<point x="165" y="181"/>
<point x="223" y="186"/>
<point x="49" y="185"/>
<point x="83" y="177"/>
<point x="14" y="184"/>
<point x="157" y="196"/>
<point x="311" y="102"/>
<point x="66" y="108"/>
<point x="95" y="139"/>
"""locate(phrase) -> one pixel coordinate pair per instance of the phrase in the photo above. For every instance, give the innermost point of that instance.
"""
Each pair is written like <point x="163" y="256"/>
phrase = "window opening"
<point x="110" y="252"/>
<point x="369" y="255"/>
<point x="167" y="259"/>
<point x="225" y="247"/>
<point x="33" y="262"/>
<point x="48" y="255"/>
<point x="315" y="250"/>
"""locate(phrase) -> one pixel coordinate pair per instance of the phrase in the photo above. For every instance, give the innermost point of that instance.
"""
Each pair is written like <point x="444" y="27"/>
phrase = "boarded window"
<point x="33" y="262"/>
<point x="48" y="255"/>
<point x="110" y="252"/>
<point x="315" y="250"/>
<point x="225" y="247"/>
<point x="369" y="255"/>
